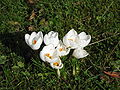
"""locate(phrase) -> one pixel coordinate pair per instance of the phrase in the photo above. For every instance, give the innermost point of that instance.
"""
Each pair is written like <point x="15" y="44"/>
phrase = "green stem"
<point x="74" y="70"/>
<point x="58" y="73"/>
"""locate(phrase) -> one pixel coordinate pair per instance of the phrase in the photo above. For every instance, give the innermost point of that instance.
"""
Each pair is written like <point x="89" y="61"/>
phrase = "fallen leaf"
<point x="77" y="3"/>
<point x="31" y="28"/>
<point x="13" y="23"/>
<point x="32" y="15"/>
<point x="113" y="74"/>
<point x="30" y="1"/>
<point x="105" y="78"/>
<point x="43" y="22"/>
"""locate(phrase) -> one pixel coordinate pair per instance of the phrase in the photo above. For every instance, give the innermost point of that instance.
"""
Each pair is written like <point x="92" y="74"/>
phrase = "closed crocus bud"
<point x="34" y="40"/>
<point x="80" y="53"/>
<point x="84" y="39"/>
<point x="51" y="38"/>
<point x="62" y="50"/>
<point x="71" y="39"/>
<point x="49" y="54"/>
<point x="57" y="65"/>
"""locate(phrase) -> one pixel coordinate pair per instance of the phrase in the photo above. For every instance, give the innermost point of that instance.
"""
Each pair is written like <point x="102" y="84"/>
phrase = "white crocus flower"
<point x="71" y="39"/>
<point x="57" y="65"/>
<point x="51" y="38"/>
<point x="34" y="40"/>
<point x="80" y="53"/>
<point x="62" y="50"/>
<point x="49" y="54"/>
<point x="84" y="39"/>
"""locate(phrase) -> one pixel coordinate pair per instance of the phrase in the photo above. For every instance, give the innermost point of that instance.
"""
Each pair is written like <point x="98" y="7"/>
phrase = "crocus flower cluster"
<point x="55" y="48"/>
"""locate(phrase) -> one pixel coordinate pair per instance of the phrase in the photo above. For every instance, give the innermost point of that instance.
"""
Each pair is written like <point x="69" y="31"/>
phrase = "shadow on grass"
<point x="16" y="43"/>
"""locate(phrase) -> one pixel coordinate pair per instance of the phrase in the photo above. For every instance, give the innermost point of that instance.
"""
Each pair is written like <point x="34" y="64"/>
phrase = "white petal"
<point x="50" y="49"/>
<point x="54" y="34"/>
<point x="51" y="60"/>
<point x="50" y="33"/>
<point x="33" y="35"/>
<point x="80" y="53"/>
<point x="72" y="32"/>
<point x="46" y="49"/>
<point x="54" y="55"/>
<point x="55" y="41"/>
<point x="51" y="38"/>
<point x="57" y="67"/>
<point x="84" y="39"/>
<point x="70" y="39"/>
<point x="37" y="45"/>
<point x="39" y="39"/>
<point x="60" y="43"/>
<point x="27" y="36"/>
<point x="84" y="43"/>
<point x="46" y="40"/>
<point x="40" y="34"/>
<point x="42" y="56"/>
<point x="88" y="39"/>
<point x="63" y="53"/>
<point x="82" y="35"/>
<point x="73" y="44"/>
<point x="65" y="50"/>
<point x="65" y="41"/>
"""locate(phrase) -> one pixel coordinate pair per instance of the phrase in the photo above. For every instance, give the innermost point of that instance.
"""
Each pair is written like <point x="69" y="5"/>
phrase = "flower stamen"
<point x="71" y="39"/>
<point x="48" y="55"/>
<point x="34" y="41"/>
<point x="61" y="49"/>
<point x="56" y="64"/>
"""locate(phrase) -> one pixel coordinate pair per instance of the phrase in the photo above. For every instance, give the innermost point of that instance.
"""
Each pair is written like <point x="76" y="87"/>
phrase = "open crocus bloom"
<point x="62" y="50"/>
<point x="34" y="40"/>
<point x="51" y="38"/>
<point x="80" y="53"/>
<point x="49" y="54"/>
<point x="84" y="39"/>
<point x="71" y="39"/>
<point x="57" y="65"/>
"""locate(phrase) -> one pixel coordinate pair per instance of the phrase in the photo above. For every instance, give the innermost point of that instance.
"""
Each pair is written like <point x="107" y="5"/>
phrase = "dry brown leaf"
<point x="32" y="15"/>
<point x="77" y="3"/>
<point x="30" y="1"/>
<point x="13" y="22"/>
<point x="43" y="22"/>
<point x="113" y="74"/>
<point x="31" y="28"/>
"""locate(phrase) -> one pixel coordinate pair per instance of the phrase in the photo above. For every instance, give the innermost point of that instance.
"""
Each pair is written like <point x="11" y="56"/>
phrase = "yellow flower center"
<point x="34" y="41"/>
<point x="56" y="64"/>
<point x="61" y="49"/>
<point x="48" y="55"/>
<point x="71" y="39"/>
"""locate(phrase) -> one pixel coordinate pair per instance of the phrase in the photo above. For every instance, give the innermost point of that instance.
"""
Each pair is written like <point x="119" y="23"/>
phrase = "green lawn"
<point x="22" y="69"/>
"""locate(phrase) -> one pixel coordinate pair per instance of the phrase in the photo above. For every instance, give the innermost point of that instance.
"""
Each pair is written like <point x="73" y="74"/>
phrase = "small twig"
<point x="103" y="39"/>
<point x="113" y="49"/>
<point x="111" y="52"/>
<point x="107" y="8"/>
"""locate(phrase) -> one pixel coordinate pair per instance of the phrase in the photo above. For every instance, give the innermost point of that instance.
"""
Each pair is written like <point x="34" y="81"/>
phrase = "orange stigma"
<point x="61" y="49"/>
<point x="34" y="42"/>
<point x="48" y="55"/>
<point x="56" y="64"/>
